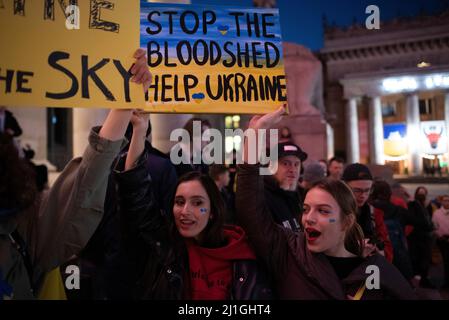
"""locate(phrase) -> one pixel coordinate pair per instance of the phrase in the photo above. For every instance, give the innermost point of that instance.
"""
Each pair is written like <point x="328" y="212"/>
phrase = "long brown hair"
<point x="212" y="236"/>
<point x="354" y="238"/>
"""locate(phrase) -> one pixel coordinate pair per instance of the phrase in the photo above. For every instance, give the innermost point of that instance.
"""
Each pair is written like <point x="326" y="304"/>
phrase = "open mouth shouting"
<point x="186" y="223"/>
<point x="312" y="234"/>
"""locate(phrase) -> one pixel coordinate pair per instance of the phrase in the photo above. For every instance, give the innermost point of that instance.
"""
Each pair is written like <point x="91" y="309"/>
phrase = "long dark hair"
<point x="354" y="238"/>
<point x="212" y="236"/>
<point x="17" y="179"/>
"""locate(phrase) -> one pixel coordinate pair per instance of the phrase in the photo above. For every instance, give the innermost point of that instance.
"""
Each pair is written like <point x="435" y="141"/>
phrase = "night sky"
<point x="301" y="20"/>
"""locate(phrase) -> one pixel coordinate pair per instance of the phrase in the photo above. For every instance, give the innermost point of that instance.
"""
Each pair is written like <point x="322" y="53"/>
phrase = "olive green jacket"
<point x="66" y="218"/>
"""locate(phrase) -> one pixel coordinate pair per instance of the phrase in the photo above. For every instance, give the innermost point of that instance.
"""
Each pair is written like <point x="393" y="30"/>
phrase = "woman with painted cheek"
<point x="324" y="224"/>
<point x="188" y="253"/>
<point x="191" y="209"/>
<point x="325" y="261"/>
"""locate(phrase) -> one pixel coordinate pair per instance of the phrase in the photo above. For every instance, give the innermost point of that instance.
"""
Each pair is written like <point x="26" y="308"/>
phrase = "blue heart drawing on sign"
<point x="198" y="97"/>
<point x="223" y="29"/>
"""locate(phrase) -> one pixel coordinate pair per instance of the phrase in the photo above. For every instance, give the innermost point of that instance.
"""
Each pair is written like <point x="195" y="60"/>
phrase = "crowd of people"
<point x="139" y="227"/>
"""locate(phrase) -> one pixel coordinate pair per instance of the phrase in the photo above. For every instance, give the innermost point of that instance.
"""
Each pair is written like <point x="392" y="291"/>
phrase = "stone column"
<point x="413" y="122"/>
<point x="376" y="131"/>
<point x="352" y="131"/>
<point x="446" y="114"/>
<point x="330" y="141"/>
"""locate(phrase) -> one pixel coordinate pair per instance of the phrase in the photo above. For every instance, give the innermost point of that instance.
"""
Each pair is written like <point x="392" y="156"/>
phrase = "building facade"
<point x="387" y="93"/>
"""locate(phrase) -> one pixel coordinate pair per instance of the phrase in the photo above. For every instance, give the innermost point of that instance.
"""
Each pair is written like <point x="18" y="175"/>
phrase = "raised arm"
<point x="73" y="208"/>
<point x="268" y="239"/>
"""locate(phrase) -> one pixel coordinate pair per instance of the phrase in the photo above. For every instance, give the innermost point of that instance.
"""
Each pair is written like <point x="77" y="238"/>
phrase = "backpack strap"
<point x="20" y="245"/>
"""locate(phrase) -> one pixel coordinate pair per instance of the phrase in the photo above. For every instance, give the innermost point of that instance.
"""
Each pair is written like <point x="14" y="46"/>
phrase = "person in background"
<point x="285" y="135"/>
<point x="371" y="219"/>
<point x="323" y="164"/>
<point x="281" y="188"/>
<point x="395" y="218"/>
<point x="335" y="168"/>
<point x="220" y="174"/>
<point x="313" y="172"/>
<point x="420" y="240"/>
<point x="192" y="151"/>
<point x="441" y="221"/>
<point x="399" y="195"/>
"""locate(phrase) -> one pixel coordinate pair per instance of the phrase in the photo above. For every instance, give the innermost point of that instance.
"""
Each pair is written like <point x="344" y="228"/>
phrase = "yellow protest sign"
<point x="68" y="53"/>
<point x="213" y="59"/>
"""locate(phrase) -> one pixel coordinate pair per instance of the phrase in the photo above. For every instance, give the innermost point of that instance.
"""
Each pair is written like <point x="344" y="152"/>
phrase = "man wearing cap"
<point x="359" y="179"/>
<point x="281" y="189"/>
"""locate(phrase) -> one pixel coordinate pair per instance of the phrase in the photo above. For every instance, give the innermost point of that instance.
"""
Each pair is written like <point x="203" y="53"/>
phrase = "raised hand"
<point x="140" y="71"/>
<point x="117" y="121"/>
<point x="139" y="120"/>
<point x="268" y="120"/>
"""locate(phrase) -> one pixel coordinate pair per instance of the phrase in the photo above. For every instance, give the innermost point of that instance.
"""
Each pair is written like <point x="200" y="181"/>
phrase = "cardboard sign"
<point x="212" y="59"/>
<point x="68" y="53"/>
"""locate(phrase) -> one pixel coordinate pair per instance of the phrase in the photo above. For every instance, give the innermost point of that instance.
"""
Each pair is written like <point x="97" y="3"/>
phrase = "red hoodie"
<point x="211" y="269"/>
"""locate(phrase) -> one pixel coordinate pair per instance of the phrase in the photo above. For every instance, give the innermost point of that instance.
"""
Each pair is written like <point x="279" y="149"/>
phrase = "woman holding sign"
<point x="189" y="253"/>
<point x="326" y="261"/>
<point x="38" y="235"/>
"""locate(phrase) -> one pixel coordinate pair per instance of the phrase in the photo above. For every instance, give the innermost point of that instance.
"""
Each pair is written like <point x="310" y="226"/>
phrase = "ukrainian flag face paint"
<point x="322" y="224"/>
<point x="191" y="209"/>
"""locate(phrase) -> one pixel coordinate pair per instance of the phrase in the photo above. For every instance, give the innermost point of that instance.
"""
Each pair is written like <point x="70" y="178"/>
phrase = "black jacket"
<point x="157" y="251"/>
<point x="285" y="206"/>
<point x="423" y="226"/>
<point x="104" y="269"/>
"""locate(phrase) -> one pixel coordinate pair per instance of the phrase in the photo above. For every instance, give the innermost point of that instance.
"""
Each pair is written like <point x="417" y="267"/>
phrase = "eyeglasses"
<point x="359" y="191"/>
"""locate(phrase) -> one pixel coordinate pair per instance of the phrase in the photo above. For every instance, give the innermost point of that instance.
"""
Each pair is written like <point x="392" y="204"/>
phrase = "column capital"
<point x="411" y="94"/>
<point x="373" y="96"/>
<point x="356" y="98"/>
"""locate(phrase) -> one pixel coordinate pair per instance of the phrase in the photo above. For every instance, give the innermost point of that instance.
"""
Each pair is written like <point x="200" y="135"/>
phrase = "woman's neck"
<point x="339" y="252"/>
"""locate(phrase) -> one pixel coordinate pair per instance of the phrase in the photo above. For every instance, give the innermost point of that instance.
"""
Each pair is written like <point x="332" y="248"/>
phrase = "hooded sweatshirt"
<point x="211" y="269"/>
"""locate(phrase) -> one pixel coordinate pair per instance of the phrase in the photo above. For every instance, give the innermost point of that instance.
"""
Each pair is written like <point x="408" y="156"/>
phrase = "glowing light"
<point x="229" y="144"/>
<point x="400" y="84"/>
<point x="423" y="64"/>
